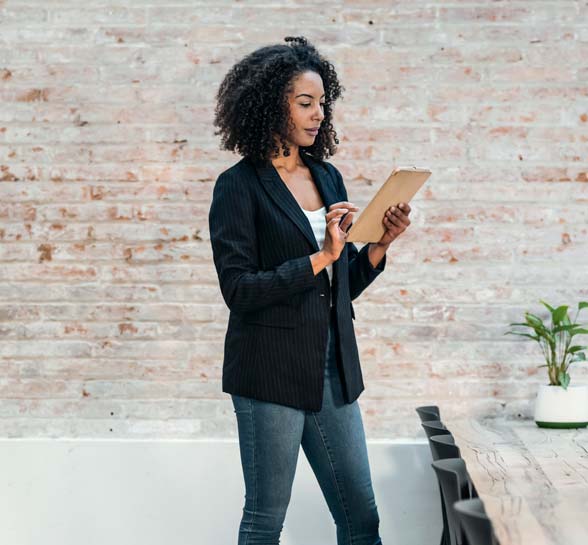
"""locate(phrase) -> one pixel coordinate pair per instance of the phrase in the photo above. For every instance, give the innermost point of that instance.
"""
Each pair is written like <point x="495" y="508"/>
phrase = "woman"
<point x="278" y="227"/>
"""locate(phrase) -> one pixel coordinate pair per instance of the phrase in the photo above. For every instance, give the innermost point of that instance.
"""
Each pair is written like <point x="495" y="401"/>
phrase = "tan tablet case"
<point x="401" y="186"/>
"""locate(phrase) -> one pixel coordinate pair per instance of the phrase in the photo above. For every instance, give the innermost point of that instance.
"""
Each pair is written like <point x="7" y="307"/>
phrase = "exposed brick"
<point x="110" y="312"/>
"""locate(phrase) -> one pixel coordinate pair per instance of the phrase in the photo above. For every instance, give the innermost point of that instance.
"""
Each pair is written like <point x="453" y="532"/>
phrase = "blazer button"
<point x="322" y="294"/>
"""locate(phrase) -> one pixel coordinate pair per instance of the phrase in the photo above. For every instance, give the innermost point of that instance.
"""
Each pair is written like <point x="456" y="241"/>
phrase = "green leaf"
<point x="576" y="348"/>
<point x="580" y="331"/>
<point x="559" y="328"/>
<point x="582" y="304"/>
<point x="564" y="379"/>
<point x="550" y="308"/>
<point x="522" y="335"/>
<point x="542" y="331"/>
<point x="546" y="334"/>
<point x="524" y="324"/>
<point x="534" y="320"/>
<point x="559" y="313"/>
<point x="579" y="357"/>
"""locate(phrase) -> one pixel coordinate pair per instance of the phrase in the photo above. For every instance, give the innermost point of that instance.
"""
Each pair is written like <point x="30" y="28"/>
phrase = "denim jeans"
<point x="333" y="441"/>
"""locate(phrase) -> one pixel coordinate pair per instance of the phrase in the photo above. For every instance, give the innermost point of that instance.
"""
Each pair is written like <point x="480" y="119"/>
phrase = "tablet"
<point x="401" y="186"/>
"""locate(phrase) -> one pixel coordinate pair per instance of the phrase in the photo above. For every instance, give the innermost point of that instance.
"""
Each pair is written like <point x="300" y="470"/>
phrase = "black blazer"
<point x="276" y="340"/>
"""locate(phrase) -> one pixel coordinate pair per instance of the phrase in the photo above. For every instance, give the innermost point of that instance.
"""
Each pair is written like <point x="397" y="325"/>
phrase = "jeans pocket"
<point x="241" y="404"/>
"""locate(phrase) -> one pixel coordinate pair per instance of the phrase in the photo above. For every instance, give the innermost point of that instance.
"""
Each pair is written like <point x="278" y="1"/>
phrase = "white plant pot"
<point x="559" y="408"/>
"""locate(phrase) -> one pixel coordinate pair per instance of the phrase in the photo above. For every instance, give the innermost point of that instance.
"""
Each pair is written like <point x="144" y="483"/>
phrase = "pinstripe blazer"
<point x="276" y="340"/>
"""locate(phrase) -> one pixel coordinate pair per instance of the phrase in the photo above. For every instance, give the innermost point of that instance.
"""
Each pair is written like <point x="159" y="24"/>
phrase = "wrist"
<point x="319" y="261"/>
<point x="384" y="245"/>
<point x="326" y="258"/>
<point x="376" y="253"/>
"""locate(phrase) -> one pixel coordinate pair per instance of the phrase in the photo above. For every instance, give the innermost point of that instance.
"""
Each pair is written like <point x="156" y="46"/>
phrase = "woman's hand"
<point x="395" y="221"/>
<point x="336" y="233"/>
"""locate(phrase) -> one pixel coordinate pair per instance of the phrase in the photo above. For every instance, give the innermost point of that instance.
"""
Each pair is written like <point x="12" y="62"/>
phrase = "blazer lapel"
<point x="322" y="179"/>
<point x="282" y="196"/>
<point x="326" y="188"/>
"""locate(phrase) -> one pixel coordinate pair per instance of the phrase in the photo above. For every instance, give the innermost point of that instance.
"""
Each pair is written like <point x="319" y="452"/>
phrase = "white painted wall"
<point x="187" y="492"/>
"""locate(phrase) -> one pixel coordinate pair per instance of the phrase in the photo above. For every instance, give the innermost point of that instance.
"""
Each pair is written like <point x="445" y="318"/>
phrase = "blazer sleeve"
<point x="244" y="286"/>
<point x="361" y="271"/>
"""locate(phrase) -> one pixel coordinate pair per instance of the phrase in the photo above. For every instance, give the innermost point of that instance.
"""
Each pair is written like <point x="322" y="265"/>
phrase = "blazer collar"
<point x="283" y="197"/>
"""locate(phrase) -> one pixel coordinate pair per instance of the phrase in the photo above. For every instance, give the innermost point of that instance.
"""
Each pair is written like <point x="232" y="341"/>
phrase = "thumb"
<point x="346" y="223"/>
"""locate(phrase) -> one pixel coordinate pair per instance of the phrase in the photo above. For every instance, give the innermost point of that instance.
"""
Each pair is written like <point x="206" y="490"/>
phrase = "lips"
<point x="312" y="131"/>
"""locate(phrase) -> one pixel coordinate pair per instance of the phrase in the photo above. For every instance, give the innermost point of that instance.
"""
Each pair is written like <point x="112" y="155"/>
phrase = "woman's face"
<point x="306" y="101"/>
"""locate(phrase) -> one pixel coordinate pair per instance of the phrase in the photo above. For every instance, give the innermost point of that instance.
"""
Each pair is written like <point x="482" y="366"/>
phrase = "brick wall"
<point x="112" y="323"/>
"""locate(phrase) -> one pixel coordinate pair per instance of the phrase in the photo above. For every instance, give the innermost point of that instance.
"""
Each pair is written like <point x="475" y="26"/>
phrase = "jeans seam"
<point x="254" y="475"/>
<point x="341" y="498"/>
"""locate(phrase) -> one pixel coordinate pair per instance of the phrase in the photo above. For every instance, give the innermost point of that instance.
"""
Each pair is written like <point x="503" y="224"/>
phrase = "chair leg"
<point x="445" y="537"/>
<point x="473" y="491"/>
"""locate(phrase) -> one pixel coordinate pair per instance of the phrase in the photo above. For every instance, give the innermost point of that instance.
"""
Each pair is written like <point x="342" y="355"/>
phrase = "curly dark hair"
<point x="252" y="106"/>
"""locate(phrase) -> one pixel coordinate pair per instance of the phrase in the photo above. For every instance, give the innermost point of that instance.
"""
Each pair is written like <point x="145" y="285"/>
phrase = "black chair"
<point x="454" y="484"/>
<point x="443" y="446"/>
<point x="434" y="427"/>
<point x="474" y="522"/>
<point x="428" y="412"/>
<point x="448" y="449"/>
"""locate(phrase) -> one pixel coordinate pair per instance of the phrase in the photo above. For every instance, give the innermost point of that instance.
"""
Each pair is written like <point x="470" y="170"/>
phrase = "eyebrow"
<point x="307" y="95"/>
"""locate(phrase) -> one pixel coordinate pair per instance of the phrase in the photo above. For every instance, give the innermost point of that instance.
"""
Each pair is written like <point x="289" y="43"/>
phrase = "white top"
<point x="317" y="221"/>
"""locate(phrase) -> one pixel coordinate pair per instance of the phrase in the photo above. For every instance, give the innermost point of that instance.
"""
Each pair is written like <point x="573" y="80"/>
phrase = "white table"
<point x="533" y="481"/>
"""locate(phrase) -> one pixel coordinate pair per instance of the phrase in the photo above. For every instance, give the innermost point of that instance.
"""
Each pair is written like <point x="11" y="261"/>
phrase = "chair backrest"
<point x="434" y="427"/>
<point x="443" y="447"/>
<point x="428" y="412"/>
<point x="476" y="525"/>
<point x="454" y="484"/>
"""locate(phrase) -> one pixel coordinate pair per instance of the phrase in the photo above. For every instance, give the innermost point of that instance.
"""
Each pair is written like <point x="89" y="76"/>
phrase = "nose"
<point x="318" y="113"/>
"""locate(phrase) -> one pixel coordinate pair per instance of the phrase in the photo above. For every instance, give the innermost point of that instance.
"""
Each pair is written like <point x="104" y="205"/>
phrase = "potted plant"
<point x="558" y="405"/>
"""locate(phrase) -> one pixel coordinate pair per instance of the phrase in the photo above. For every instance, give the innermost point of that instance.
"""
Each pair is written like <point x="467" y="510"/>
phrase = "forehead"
<point x="308" y="82"/>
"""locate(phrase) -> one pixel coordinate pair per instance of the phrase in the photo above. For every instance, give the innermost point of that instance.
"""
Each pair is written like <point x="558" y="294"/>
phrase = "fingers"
<point x="334" y="230"/>
<point x="344" y="204"/>
<point x="335" y="213"/>
<point x="346" y="222"/>
<point x="336" y="221"/>
<point x="401" y="209"/>
<point x="339" y="209"/>
<point x="398" y="216"/>
<point x="405" y="208"/>
<point x="392" y="221"/>
<point x="391" y="226"/>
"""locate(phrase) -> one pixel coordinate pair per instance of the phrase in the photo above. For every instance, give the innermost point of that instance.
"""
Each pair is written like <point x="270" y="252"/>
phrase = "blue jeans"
<point x="333" y="441"/>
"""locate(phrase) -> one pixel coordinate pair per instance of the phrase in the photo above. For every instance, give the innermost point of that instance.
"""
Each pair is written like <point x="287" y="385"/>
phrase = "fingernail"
<point x="393" y="208"/>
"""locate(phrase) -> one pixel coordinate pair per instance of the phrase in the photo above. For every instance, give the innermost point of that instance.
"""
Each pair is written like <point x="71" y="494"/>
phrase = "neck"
<point x="289" y="163"/>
